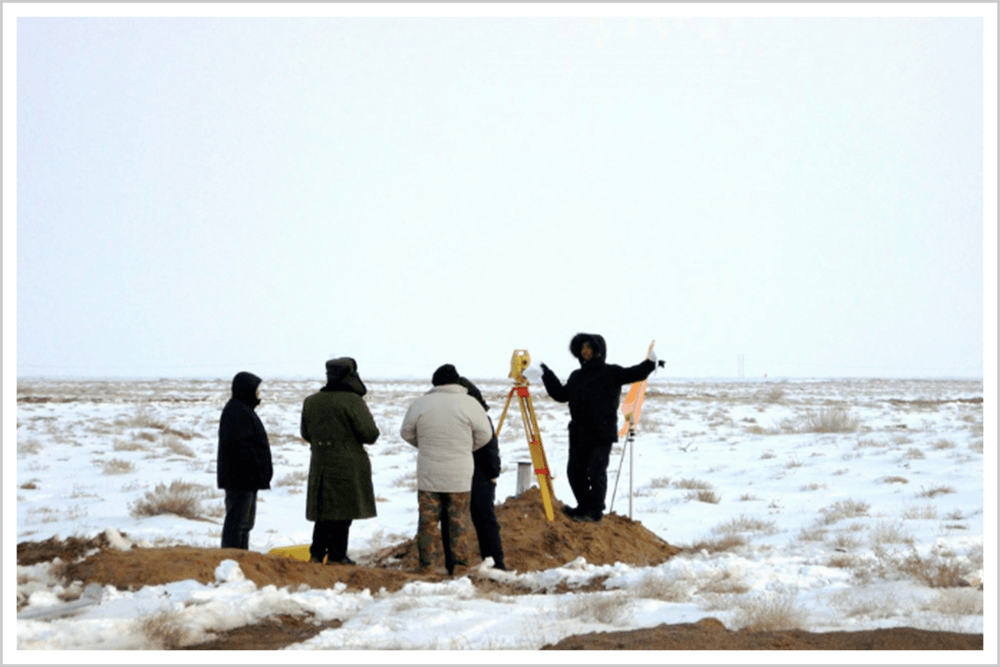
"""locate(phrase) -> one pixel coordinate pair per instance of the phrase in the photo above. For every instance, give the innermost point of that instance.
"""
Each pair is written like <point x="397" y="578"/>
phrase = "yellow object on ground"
<point x="298" y="552"/>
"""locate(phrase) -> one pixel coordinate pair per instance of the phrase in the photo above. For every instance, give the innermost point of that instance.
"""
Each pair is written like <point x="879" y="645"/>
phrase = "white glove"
<point x="652" y="356"/>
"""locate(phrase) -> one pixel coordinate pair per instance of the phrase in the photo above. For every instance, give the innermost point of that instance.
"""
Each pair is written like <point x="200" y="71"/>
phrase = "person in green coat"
<point x="337" y="424"/>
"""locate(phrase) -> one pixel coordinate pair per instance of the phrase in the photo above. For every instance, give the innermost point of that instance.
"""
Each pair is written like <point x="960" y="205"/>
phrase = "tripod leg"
<point x="611" y="507"/>
<point x="503" y="414"/>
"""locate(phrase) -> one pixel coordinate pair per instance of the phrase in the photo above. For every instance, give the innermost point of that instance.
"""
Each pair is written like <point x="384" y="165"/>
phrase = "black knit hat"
<point x="446" y="374"/>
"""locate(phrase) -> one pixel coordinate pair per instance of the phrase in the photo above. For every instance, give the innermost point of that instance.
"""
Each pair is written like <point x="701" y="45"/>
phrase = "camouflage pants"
<point x="443" y="521"/>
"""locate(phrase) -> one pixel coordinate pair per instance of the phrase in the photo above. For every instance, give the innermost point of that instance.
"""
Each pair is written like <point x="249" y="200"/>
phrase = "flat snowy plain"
<point x="876" y="524"/>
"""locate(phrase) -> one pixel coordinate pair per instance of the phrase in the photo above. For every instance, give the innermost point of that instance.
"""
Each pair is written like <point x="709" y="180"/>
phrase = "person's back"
<point x="337" y="424"/>
<point x="446" y="425"/>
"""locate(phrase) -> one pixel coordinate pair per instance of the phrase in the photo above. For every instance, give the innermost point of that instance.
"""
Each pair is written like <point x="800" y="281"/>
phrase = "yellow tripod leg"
<point x="538" y="459"/>
<point x="503" y="415"/>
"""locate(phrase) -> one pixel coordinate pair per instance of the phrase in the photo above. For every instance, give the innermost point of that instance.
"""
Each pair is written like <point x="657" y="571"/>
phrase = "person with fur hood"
<point x="446" y="425"/>
<point x="593" y="392"/>
<point x="243" y="465"/>
<point x="337" y="423"/>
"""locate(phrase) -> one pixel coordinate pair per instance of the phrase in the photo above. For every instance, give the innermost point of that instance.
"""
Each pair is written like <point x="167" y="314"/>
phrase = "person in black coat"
<point x="484" y="486"/>
<point x="244" y="460"/>
<point x="593" y="392"/>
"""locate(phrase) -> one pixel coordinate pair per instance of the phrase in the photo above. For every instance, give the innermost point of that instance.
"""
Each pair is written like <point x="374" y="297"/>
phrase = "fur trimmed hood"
<point x="596" y="343"/>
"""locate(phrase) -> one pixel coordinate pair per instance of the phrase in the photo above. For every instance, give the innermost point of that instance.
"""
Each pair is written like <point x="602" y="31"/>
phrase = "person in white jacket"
<point x="445" y="425"/>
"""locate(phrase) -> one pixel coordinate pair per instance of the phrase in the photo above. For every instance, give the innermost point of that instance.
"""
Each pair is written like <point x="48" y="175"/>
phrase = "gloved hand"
<point x="657" y="363"/>
<point x="532" y="374"/>
<point x="545" y="369"/>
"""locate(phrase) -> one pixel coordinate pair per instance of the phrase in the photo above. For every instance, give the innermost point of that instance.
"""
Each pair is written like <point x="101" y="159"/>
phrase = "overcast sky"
<point x="201" y="196"/>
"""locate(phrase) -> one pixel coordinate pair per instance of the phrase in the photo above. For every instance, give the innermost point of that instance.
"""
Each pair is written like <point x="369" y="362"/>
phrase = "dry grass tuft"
<point x="704" y="496"/>
<point x="408" y="482"/>
<point x="957" y="602"/>
<point x="844" y="509"/>
<point x="117" y="467"/>
<point x="180" y="498"/>
<point x="943" y="444"/>
<point x="607" y="608"/>
<point x="173" y="444"/>
<point x="126" y="446"/>
<point x="890" y="533"/>
<point x="144" y="417"/>
<point x="813" y="486"/>
<point x="769" y="614"/>
<point x="833" y="420"/>
<point x="939" y="569"/>
<point x="297" y="478"/>
<point x="928" y="512"/>
<point x="812" y="534"/>
<point x="723" y="583"/>
<point x="655" y="586"/>
<point x="164" y="630"/>
<point x="854" y="603"/>
<point x="29" y="446"/>
<point x="772" y="395"/>
<point x="935" y="491"/>
<point x="719" y="544"/>
<point x="845" y="541"/>
<point x="745" y="524"/>
<point x="693" y="484"/>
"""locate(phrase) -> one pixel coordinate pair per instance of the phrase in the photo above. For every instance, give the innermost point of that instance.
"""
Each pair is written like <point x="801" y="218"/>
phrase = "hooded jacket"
<point x="594" y="391"/>
<point x="337" y="423"/>
<point x="244" y="455"/>
<point x="446" y="425"/>
<point x="486" y="459"/>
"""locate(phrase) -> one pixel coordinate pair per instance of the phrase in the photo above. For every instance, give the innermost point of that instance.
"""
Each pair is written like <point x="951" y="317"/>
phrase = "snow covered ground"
<point x="877" y="524"/>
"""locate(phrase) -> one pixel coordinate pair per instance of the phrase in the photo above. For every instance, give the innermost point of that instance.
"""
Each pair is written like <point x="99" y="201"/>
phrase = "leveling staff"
<point x="593" y="392"/>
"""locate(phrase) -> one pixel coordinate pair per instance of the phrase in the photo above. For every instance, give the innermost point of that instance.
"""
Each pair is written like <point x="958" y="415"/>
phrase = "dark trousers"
<point x="241" y="512"/>
<point x="587" y="471"/>
<point x="484" y="518"/>
<point x="330" y="540"/>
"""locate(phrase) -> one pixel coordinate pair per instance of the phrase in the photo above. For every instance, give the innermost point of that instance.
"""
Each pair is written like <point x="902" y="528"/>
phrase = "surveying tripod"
<point x="518" y="363"/>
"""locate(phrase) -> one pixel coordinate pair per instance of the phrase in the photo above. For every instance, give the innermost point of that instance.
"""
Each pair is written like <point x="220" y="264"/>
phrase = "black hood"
<point x="245" y="388"/>
<point x="597" y="344"/>
<point x="473" y="391"/>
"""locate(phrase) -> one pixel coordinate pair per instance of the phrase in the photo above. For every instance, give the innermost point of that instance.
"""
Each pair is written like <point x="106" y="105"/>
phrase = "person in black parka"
<point x="484" y="485"/>
<point x="593" y="392"/>
<point x="244" y="460"/>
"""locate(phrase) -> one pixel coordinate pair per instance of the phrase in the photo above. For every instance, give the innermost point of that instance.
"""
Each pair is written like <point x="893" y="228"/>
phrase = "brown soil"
<point x="531" y="543"/>
<point x="710" y="634"/>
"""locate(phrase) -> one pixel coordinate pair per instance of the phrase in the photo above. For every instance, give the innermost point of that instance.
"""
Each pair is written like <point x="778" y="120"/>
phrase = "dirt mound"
<point x="68" y="550"/>
<point x="135" y="568"/>
<point x="532" y="543"/>
<point x="710" y="635"/>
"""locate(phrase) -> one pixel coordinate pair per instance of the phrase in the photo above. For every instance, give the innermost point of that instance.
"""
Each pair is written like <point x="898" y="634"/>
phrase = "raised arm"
<point x="553" y="385"/>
